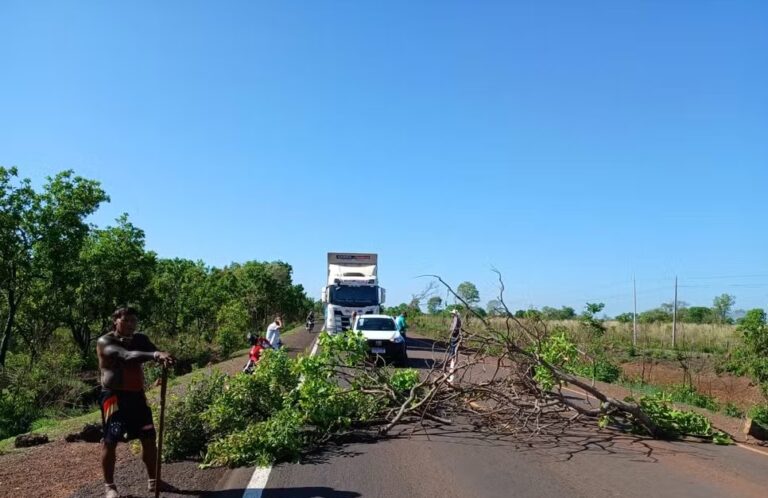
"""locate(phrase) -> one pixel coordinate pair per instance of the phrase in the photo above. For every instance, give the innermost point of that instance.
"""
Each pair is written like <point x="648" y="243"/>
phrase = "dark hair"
<point x="122" y="312"/>
<point x="125" y="311"/>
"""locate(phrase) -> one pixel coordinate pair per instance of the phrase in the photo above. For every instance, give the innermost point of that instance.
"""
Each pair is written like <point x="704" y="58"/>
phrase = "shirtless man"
<point x="124" y="410"/>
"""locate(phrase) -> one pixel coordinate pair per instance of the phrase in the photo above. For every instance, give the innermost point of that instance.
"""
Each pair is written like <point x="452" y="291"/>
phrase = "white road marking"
<point x="744" y="446"/>
<point x="258" y="481"/>
<point x="314" y="347"/>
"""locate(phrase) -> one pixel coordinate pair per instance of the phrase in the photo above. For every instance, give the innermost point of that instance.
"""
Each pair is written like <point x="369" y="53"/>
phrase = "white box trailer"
<point x="352" y="287"/>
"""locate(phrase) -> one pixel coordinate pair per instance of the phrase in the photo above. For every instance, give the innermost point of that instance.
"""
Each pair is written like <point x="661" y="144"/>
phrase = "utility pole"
<point x="634" y="314"/>
<point x="674" y="317"/>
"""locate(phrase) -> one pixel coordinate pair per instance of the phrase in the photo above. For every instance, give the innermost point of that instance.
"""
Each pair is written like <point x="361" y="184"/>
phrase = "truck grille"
<point x="341" y="321"/>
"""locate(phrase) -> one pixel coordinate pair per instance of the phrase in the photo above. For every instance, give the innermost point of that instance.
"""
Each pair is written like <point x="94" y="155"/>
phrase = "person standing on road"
<point x="453" y="348"/>
<point x="455" y="332"/>
<point x="125" y="413"/>
<point x="401" y="324"/>
<point x="273" y="332"/>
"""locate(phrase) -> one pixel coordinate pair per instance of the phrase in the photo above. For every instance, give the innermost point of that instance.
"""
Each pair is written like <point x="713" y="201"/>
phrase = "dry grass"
<point x="703" y="338"/>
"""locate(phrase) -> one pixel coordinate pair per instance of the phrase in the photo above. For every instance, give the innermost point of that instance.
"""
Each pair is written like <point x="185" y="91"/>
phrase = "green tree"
<point x="495" y="308"/>
<point x="590" y="320"/>
<point x="564" y="313"/>
<point x="267" y="290"/>
<point x="434" y="305"/>
<point x="469" y="293"/>
<point x="752" y="357"/>
<point x="38" y="317"/>
<point x="233" y="321"/>
<point x="721" y="307"/>
<point x="480" y="311"/>
<point x="113" y="270"/>
<point x="179" y="296"/>
<point x="567" y="313"/>
<point x="40" y="234"/>
<point x="625" y="318"/>
<point x="531" y="314"/>
<point x="655" y="315"/>
<point x="699" y="314"/>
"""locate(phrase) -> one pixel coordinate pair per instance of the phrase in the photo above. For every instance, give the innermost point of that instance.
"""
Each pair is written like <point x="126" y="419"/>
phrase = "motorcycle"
<point x="310" y="325"/>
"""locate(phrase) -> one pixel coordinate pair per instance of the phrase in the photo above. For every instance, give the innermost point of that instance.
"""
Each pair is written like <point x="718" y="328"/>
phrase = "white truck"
<point x="352" y="287"/>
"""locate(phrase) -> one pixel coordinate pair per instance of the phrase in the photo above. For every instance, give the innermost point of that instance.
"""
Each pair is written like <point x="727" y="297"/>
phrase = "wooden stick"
<point x="158" y="464"/>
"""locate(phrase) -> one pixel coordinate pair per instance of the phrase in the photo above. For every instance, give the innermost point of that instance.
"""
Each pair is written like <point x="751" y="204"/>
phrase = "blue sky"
<point x="570" y="145"/>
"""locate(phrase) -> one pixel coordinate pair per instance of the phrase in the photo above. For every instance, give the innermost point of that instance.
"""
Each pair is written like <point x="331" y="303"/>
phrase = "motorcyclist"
<point x="258" y="344"/>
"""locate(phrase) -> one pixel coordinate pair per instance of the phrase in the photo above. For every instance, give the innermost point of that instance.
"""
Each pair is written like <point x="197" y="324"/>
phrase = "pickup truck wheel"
<point x="402" y="359"/>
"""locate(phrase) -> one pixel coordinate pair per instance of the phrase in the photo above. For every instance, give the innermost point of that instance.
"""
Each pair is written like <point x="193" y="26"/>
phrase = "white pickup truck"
<point x="383" y="338"/>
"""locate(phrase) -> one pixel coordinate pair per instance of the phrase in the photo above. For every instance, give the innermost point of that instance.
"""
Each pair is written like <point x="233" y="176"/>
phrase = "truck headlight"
<point x="397" y="339"/>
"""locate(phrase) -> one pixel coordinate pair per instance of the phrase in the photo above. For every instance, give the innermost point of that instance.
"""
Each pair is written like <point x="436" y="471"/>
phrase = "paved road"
<point x="459" y="462"/>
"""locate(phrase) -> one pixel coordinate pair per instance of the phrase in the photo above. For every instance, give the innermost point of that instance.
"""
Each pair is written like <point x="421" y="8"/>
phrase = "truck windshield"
<point x="347" y="295"/>
<point x="377" y="323"/>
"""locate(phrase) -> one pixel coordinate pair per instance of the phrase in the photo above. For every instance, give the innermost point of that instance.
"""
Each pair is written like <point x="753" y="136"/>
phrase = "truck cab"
<point x="352" y="289"/>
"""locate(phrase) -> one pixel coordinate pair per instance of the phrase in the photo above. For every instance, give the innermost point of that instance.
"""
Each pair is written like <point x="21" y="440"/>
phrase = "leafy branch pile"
<point x="287" y="406"/>
<point x="527" y="367"/>
<point x="507" y="381"/>
<point x="674" y="423"/>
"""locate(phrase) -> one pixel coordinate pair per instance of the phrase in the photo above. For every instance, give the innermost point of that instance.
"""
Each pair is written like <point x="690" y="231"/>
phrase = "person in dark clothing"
<point x="124" y="409"/>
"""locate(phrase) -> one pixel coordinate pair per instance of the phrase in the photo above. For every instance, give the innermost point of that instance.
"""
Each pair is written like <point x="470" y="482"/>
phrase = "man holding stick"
<point x="124" y="409"/>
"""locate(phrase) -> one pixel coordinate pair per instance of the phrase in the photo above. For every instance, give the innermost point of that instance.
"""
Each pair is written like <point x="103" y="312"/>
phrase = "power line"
<point x="719" y="277"/>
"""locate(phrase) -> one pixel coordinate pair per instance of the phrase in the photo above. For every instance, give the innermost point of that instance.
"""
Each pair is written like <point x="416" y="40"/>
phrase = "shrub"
<point x="264" y="443"/>
<point x="229" y="340"/>
<point x="403" y="380"/>
<point x="600" y="369"/>
<point x="47" y="387"/>
<point x="186" y="435"/>
<point x="732" y="410"/>
<point x="18" y="410"/>
<point x="752" y="357"/>
<point x="559" y="351"/>
<point x="688" y="394"/>
<point x="191" y="351"/>
<point x="285" y="407"/>
<point x="247" y="398"/>
<point x="759" y="413"/>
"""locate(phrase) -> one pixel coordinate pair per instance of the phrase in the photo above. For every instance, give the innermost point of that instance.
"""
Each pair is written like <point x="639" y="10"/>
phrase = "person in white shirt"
<point x="273" y="332"/>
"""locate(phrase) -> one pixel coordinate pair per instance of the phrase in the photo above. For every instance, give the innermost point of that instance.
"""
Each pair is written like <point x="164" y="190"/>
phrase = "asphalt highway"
<point x="459" y="461"/>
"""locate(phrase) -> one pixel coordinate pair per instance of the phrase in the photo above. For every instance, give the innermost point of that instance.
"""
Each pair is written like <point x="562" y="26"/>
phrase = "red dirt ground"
<point x="59" y="469"/>
<point x="725" y="388"/>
